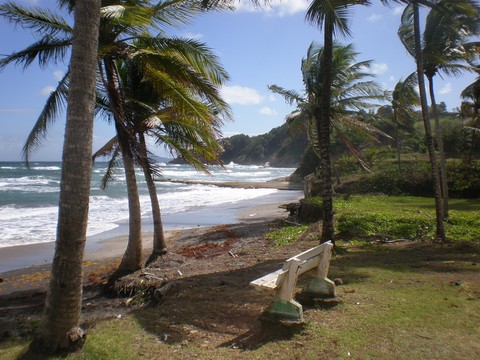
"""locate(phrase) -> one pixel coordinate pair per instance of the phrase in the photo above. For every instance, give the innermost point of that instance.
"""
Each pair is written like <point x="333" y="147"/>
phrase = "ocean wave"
<point x="46" y="168"/>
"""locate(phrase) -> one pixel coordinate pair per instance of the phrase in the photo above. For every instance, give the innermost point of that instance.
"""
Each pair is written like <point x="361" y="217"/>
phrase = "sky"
<point x="257" y="46"/>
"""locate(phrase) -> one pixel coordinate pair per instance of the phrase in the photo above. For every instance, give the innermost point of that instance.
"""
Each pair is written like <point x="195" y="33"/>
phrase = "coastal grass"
<point x="286" y="234"/>
<point x="404" y="300"/>
<point x="406" y="217"/>
<point x="397" y="302"/>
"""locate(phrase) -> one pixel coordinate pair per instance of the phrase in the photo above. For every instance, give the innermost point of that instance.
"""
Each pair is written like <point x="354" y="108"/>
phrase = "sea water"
<point x="29" y="196"/>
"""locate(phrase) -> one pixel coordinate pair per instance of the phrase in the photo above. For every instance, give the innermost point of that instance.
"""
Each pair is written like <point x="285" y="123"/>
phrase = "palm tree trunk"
<point x="323" y="130"/>
<point x="133" y="257"/>
<point x="441" y="151"/>
<point x="397" y="140"/>
<point x="440" y="231"/>
<point x="159" y="244"/>
<point x="59" y="330"/>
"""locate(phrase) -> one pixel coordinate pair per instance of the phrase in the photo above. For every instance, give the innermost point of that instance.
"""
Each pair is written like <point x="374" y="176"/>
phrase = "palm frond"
<point x="112" y="150"/>
<point x="41" y="21"/>
<point x="56" y="102"/>
<point x="47" y="50"/>
<point x="291" y="97"/>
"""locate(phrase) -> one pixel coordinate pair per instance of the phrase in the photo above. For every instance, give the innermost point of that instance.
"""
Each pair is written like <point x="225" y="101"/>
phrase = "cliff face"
<point x="278" y="147"/>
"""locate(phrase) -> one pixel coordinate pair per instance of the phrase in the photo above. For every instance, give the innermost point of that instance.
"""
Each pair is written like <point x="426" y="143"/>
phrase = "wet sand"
<point x="113" y="243"/>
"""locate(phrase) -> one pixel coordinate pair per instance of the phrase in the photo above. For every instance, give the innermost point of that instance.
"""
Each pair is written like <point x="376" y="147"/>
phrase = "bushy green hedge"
<point x="415" y="179"/>
<point x="404" y="217"/>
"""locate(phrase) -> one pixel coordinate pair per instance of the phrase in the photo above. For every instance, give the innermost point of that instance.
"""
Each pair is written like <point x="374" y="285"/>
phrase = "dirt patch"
<point x="199" y="292"/>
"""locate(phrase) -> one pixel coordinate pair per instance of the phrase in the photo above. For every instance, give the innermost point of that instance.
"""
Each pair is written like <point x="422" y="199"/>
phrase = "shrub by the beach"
<point x="404" y="217"/>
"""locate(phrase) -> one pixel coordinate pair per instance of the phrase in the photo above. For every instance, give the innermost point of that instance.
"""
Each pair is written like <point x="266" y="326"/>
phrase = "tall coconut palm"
<point x="404" y="100"/>
<point x="411" y="14"/>
<point x="59" y="330"/>
<point x="122" y="24"/>
<point x="332" y="15"/>
<point x="447" y="27"/>
<point x="350" y="92"/>
<point x="167" y="104"/>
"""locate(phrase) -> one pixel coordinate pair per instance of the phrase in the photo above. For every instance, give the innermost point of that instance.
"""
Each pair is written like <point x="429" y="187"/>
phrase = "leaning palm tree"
<point x="411" y="14"/>
<point x="167" y="104"/>
<point x="59" y="328"/>
<point x="332" y="15"/>
<point x="447" y="27"/>
<point x="122" y="23"/>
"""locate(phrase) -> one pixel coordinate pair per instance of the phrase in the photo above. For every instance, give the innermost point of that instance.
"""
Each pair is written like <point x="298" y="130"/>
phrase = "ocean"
<point x="29" y="197"/>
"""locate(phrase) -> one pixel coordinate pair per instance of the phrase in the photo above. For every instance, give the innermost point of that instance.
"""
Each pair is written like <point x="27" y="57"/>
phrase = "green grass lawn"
<point x="406" y="300"/>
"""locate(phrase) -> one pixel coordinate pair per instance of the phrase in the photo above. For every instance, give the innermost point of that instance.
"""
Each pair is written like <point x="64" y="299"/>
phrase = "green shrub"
<point x="404" y="217"/>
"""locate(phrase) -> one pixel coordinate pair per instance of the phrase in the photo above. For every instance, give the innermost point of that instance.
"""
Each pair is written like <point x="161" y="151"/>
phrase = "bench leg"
<point x="285" y="308"/>
<point x="320" y="289"/>
<point x="282" y="310"/>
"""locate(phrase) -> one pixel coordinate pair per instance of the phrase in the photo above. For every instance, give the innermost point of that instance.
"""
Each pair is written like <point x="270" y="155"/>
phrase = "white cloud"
<point x="446" y="89"/>
<point x="268" y="111"/>
<point x="47" y="90"/>
<point x="374" y="18"/>
<point x="275" y="7"/>
<point x="58" y="75"/>
<point x="379" y="69"/>
<point x="392" y="78"/>
<point x="398" y="10"/>
<point x="241" y="95"/>
<point x="272" y="98"/>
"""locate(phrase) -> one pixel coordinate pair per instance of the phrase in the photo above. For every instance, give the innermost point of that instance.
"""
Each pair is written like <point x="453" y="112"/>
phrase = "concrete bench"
<point x="284" y="281"/>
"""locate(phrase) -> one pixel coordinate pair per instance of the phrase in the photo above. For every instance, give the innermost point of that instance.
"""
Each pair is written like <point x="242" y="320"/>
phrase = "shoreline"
<point x="113" y="243"/>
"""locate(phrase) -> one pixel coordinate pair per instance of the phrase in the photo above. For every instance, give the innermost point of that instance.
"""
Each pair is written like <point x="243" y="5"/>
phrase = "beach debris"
<point x="159" y="294"/>
<point x="150" y="276"/>
<point x="232" y="254"/>
<point x="179" y="273"/>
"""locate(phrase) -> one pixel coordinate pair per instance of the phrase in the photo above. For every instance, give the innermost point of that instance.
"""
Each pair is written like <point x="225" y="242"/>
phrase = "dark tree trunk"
<point x="440" y="231"/>
<point x="59" y="330"/>
<point x="441" y="151"/>
<point x="133" y="257"/>
<point x="159" y="244"/>
<point x="323" y="130"/>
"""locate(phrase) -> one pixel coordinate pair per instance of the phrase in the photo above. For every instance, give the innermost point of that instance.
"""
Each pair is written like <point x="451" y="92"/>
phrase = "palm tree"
<point x="122" y="25"/>
<point x="411" y="15"/>
<point x="350" y="92"/>
<point x="471" y="109"/>
<point x="447" y="26"/>
<point x="404" y="100"/>
<point x="184" y="124"/>
<point x="59" y="330"/>
<point x="332" y="15"/>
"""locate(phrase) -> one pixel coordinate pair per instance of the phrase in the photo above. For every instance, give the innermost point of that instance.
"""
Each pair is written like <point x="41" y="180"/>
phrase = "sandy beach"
<point x="36" y="258"/>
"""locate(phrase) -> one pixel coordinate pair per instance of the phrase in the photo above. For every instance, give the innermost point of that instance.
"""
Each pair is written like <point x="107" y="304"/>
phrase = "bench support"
<point x="284" y="282"/>
<point x="285" y="310"/>
<point x="321" y="287"/>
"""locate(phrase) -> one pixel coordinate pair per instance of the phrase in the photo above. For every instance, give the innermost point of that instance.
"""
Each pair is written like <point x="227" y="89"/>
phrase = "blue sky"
<point x="258" y="47"/>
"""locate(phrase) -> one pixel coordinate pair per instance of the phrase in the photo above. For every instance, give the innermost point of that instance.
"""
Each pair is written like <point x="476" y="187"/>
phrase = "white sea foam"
<point x="33" y="219"/>
<point x="48" y="168"/>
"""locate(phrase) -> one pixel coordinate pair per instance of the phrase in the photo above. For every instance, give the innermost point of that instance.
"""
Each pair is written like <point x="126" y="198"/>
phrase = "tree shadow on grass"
<point x="221" y="308"/>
